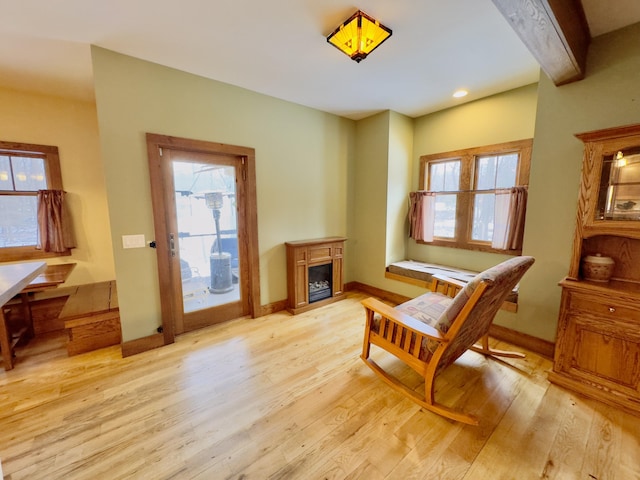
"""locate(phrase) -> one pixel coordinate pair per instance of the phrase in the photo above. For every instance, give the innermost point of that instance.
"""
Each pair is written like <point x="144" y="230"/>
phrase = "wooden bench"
<point x="91" y="317"/>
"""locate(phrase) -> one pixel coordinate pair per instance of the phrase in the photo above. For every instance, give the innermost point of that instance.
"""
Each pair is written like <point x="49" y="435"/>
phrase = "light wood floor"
<point x="286" y="397"/>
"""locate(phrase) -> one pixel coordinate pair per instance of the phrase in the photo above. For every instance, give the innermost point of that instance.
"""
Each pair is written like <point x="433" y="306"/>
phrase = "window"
<point x="466" y="185"/>
<point x="24" y="169"/>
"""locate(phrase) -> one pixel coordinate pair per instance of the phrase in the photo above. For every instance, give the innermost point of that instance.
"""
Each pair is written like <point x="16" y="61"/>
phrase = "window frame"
<point x="464" y="208"/>
<point x="53" y="174"/>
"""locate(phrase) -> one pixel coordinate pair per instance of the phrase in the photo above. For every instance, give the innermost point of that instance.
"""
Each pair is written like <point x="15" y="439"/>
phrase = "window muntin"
<point x="464" y="218"/>
<point x="24" y="169"/>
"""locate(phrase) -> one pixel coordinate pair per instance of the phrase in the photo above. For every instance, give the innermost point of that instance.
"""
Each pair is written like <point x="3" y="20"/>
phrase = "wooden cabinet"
<point x="315" y="273"/>
<point x="598" y="342"/>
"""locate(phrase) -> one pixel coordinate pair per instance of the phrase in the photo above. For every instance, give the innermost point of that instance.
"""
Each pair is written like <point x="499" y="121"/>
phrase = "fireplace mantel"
<point x="303" y="254"/>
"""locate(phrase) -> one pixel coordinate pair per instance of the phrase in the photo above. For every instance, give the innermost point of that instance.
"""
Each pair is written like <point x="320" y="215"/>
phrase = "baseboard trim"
<point x="139" y="345"/>
<point x="274" y="307"/>
<point x="535" y="344"/>
<point x="377" y="292"/>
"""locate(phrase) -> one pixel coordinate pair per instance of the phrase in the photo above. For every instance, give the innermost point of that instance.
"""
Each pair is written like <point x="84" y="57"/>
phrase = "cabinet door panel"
<point x="600" y="356"/>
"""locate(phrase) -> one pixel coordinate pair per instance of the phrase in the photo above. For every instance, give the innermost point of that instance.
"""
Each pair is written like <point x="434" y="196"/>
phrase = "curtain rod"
<point x="489" y="190"/>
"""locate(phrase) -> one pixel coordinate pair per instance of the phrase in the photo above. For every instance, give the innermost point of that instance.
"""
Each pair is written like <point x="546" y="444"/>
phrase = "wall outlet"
<point x="133" y="241"/>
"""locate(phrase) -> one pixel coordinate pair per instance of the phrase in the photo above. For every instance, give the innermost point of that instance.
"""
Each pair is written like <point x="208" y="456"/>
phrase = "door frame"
<point x="155" y="144"/>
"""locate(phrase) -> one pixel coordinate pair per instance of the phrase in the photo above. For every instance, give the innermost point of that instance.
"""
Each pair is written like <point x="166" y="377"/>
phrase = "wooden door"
<point x="206" y="237"/>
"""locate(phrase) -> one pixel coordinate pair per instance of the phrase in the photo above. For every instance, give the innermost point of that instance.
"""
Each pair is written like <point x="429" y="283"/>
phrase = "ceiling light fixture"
<point x="460" y="93"/>
<point x="359" y="35"/>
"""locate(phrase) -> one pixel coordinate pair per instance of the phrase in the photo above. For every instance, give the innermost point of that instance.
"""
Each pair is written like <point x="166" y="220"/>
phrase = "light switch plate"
<point x="133" y="241"/>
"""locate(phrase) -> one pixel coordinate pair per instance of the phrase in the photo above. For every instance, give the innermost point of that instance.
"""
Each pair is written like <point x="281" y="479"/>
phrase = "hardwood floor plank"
<point x="604" y="443"/>
<point x="566" y="453"/>
<point x="287" y="397"/>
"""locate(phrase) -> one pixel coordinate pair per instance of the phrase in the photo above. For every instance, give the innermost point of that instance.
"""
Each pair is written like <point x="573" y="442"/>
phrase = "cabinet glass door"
<point x="619" y="193"/>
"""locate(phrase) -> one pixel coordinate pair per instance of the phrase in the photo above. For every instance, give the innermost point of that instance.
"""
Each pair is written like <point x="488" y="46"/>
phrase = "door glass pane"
<point x="207" y="234"/>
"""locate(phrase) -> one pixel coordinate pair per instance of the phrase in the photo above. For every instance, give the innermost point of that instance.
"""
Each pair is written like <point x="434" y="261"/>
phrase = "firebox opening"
<point x="320" y="282"/>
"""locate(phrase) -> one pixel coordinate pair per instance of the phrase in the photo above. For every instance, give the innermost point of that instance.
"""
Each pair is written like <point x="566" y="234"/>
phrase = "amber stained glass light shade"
<point x="359" y="35"/>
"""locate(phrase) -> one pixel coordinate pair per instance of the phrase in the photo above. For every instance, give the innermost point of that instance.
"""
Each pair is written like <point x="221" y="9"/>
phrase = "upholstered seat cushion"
<point x="428" y="308"/>
<point x="436" y="310"/>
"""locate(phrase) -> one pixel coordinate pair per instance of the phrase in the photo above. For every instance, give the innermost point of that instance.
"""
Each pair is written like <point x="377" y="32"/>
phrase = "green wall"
<point x="72" y="126"/>
<point x="609" y="96"/>
<point x="321" y="175"/>
<point x="368" y="231"/>
<point x="303" y="162"/>
<point x="381" y="181"/>
<point x="500" y="118"/>
<point x="399" y="175"/>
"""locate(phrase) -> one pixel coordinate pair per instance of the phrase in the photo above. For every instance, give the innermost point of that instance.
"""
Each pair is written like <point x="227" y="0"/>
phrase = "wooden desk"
<point x="13" y="278"/>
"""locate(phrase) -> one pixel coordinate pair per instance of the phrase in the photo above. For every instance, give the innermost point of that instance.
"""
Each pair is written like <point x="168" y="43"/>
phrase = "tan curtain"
<point x="421" y="215"/>
<point x="509" y="215"/>
<point x="54" y="226"/>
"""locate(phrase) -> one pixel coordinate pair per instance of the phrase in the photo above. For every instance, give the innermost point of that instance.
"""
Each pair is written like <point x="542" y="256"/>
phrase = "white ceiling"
<point x="278" y="47"/>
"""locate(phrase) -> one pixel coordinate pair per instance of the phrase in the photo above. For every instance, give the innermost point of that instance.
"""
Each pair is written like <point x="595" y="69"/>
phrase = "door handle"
<point x="172" y="244"/>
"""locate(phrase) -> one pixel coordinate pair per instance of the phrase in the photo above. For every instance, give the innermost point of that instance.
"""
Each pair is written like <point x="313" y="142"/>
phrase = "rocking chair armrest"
<point x="403" y="319"/>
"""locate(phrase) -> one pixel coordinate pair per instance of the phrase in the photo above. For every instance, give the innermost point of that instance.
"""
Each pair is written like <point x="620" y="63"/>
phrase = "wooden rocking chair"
<point x="431" y="331"/>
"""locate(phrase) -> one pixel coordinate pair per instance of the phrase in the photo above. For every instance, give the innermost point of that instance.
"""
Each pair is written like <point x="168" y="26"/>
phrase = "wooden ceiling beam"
<point x="555" y="32"/>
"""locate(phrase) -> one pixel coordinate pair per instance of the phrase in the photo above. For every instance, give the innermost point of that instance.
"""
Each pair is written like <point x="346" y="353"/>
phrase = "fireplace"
<point x="320" y="282"/>
<point x="315" y="274"/>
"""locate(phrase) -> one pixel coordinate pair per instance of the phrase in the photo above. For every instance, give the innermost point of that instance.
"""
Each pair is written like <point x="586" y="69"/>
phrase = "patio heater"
<point x="220" y="262"/>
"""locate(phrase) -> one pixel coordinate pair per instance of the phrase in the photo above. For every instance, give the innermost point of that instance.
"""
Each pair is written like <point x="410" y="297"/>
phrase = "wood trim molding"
<point x="534" y="344"/>
<point x="376" y="292"/>
<point x="556" y="33"/>
<point x="248" y="246"/>
<point x="273" y="307"/>
<point x="139" y="345"/>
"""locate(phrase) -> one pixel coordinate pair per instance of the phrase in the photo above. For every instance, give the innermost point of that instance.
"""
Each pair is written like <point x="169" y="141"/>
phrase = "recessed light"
<point x="460" y="93"/>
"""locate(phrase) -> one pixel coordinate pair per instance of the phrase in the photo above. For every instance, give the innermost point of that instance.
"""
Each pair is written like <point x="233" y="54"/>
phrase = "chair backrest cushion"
<point x="501" y="280"/>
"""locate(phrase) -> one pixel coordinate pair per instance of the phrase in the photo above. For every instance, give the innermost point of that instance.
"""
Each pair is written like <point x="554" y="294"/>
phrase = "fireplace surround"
<point x="314" y="273"/>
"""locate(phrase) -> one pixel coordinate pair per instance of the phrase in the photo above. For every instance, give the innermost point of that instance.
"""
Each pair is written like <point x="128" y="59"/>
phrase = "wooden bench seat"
<point x="92" y="318"/>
